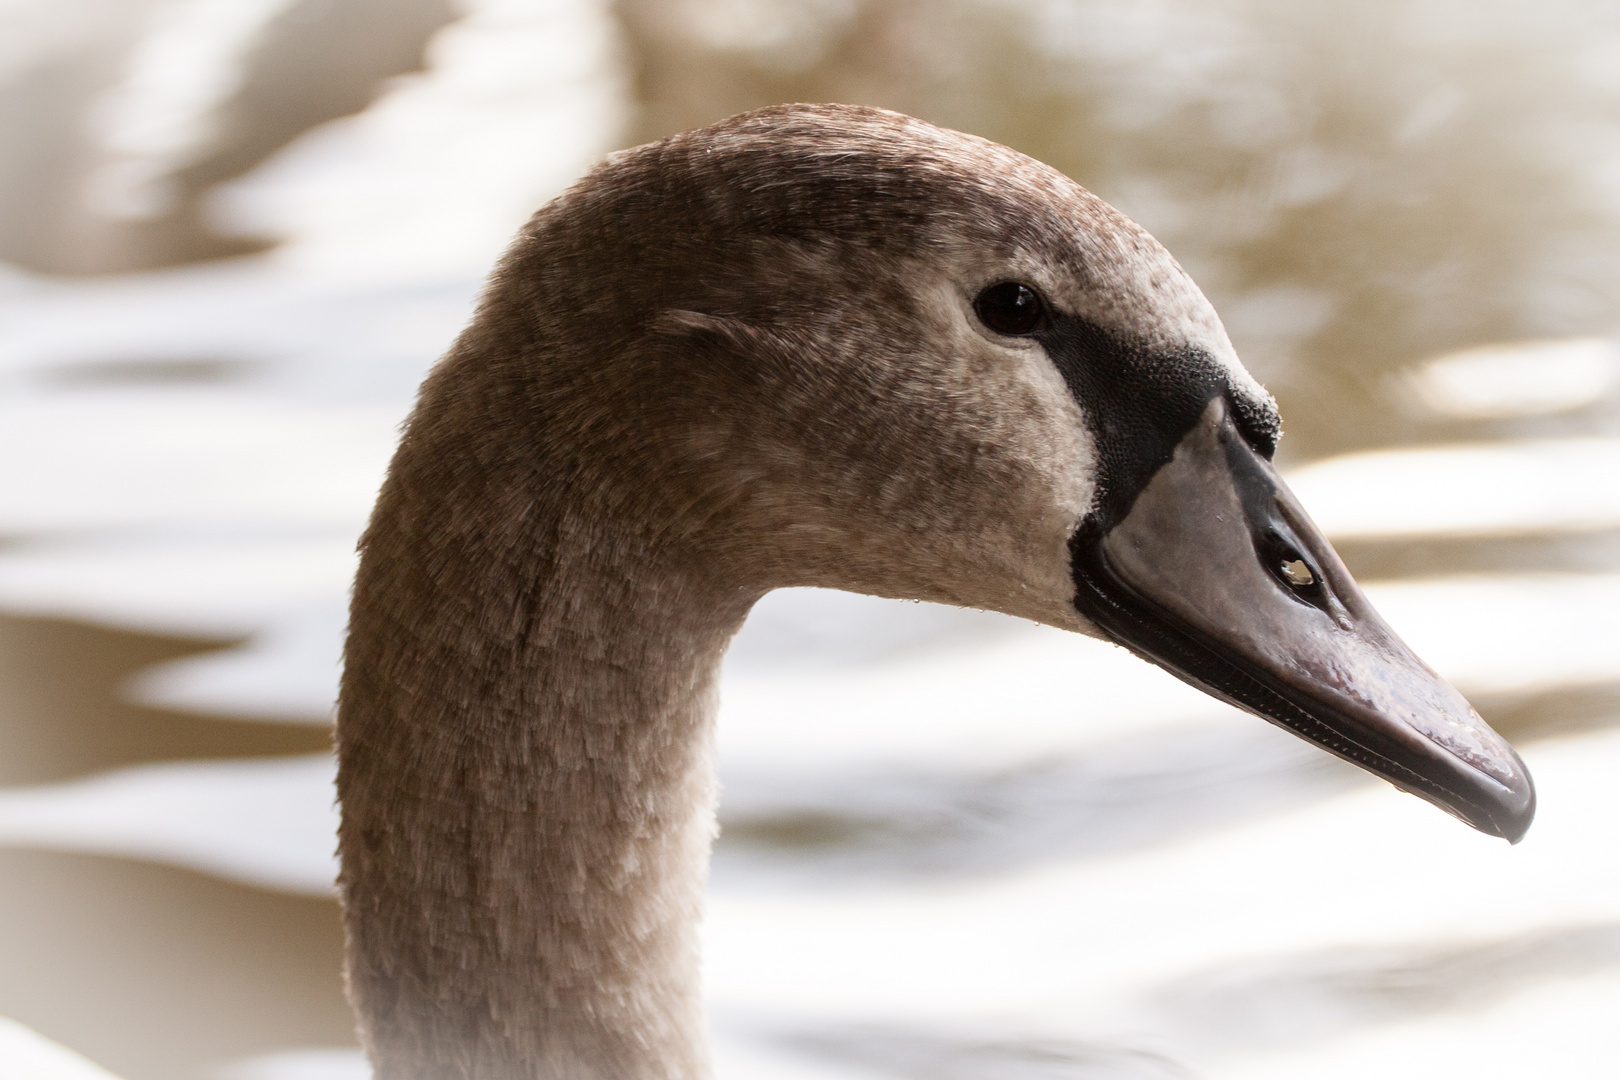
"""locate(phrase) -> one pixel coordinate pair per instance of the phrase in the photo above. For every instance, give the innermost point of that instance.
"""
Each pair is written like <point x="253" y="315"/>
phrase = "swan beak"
<point x="1217" y="574"/>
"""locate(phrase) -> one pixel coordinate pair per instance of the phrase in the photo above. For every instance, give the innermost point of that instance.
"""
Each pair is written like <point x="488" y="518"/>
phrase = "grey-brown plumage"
<point x="743" y="358"/>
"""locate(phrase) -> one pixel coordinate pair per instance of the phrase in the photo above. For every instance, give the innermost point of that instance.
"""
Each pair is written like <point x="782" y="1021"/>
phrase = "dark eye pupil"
<point x="1010" y="308"/>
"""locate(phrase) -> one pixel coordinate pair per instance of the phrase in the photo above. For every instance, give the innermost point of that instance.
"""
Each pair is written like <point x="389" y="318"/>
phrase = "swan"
<point x="810" y="345"/>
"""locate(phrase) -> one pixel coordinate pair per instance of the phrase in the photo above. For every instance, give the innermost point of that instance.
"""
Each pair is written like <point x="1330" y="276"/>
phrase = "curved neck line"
<point x="525" y="774"/>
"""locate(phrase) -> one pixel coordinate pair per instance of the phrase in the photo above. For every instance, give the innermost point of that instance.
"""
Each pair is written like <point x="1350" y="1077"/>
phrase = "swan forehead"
<point x="978" y="210"/>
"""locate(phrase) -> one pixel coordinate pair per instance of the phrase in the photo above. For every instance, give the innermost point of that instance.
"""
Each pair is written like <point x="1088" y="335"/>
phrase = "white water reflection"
<point x="30" y="1056"/>
<point x="1541" y="486"/>
<point x="268" y="822"/>
<point x="1519" y="380"/>
<point x="301" y="1065"/>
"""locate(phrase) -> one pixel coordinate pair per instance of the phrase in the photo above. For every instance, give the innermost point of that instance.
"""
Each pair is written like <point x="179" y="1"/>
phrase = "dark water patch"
<point x="162" y="974"/>
<point x="1565" y="710"/>
<point x="179" y="371"/>
<point x="61" y="714"/>
<point x="807" y="830"/>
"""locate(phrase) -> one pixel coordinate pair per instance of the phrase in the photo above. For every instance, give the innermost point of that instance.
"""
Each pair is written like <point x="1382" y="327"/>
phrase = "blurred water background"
<point x="235" y="233"/>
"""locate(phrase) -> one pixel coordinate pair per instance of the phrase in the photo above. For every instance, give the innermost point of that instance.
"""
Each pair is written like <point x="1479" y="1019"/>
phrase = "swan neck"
<point x="527" y="788"/>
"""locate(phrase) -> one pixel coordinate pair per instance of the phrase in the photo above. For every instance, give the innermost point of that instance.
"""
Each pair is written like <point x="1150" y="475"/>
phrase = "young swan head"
<point x="837" y="346"/>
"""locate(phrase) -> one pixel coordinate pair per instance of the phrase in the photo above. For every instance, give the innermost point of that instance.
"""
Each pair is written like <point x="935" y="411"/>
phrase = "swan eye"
<point x="1011" y="308"/>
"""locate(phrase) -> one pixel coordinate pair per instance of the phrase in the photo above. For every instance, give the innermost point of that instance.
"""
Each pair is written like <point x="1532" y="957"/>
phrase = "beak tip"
<point x="1515" y="830"/>
<point x="1514" y="811"/>
<point x="1519" y="822"/>
<point x="1484" y="802"/>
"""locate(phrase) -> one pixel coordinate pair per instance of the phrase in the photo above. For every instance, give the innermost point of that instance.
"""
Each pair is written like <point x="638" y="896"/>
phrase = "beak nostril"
<point x="1297" y="573"/>
<point x="1283" y="558"/>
